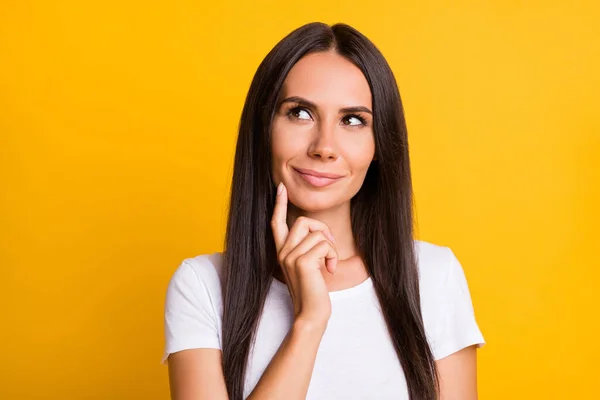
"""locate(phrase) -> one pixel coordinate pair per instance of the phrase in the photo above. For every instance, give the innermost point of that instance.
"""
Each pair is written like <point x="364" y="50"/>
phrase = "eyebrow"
<point x="309" y="104"/>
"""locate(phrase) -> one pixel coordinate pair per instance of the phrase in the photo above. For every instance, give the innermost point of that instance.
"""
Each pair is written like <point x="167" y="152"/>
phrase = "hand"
<point x="302" y="251"/>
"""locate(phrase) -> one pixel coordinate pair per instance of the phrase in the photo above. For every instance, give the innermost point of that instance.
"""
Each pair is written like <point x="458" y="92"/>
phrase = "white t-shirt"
<point x="356" y="358"/>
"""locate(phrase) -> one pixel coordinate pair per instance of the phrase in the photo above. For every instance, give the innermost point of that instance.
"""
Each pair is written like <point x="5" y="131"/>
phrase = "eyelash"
<point x="298" y="108"/>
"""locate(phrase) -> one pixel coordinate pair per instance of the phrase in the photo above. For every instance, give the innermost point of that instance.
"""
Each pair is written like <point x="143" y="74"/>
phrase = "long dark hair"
<point x="381" y="212"/>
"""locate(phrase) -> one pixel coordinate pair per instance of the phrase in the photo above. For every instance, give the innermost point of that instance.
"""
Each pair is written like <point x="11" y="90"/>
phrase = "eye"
<point x="353" y="120"/>
<point x="299" y="113"/>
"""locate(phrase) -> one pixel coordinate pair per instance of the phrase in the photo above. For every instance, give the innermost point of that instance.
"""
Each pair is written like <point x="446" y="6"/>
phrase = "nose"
<point x="324" y="146"/>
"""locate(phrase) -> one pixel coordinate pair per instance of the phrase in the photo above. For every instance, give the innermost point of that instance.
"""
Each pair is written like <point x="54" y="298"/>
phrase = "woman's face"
<point x="323" y="125"/>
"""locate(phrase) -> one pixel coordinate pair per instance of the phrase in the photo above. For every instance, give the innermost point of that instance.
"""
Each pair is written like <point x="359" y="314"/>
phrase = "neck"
<point x="339" y="222"/>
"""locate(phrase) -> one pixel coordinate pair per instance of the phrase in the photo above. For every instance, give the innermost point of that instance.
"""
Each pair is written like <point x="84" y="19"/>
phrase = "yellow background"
<point x="117" y="128"/>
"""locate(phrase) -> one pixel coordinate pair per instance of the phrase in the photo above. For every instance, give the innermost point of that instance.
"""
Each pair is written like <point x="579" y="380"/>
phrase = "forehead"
<point x="328" y="79"/>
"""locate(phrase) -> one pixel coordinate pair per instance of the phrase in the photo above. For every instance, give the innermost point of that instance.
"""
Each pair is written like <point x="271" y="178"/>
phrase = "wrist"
<point x="309" y="327"/>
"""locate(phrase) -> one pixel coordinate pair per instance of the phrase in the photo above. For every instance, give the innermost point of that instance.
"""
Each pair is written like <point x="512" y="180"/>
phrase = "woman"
<point x="322" y="292"/>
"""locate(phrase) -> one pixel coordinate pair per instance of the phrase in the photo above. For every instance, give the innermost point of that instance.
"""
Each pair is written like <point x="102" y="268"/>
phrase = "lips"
<point x="318" y="174"/>
<point x="318" y="179"/>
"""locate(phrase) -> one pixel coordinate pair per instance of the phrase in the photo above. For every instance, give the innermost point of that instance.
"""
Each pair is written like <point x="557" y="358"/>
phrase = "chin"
<point x="313" y="201"/>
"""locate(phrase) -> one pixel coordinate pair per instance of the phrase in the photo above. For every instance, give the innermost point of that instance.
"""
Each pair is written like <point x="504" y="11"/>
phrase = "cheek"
<point x="360" y="155"/>
<point x="287" y="141"/>
<point x="282" y="148"/>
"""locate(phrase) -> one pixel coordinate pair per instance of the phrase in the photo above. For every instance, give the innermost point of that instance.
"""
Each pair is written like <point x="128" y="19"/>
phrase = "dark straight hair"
<point x="381" y="212"/>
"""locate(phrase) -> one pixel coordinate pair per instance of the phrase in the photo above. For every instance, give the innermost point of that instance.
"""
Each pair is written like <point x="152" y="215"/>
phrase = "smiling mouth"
<point x="317" y="180"/>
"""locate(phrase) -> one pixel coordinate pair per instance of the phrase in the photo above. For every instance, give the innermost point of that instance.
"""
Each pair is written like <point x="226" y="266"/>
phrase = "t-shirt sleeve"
<point x="458" y="328"/>
<point x="190" y="320"/>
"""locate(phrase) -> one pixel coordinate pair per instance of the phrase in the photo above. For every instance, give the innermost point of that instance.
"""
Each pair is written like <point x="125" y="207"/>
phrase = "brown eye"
<point x="299" y="113"/>
<point x="353" y="120"/>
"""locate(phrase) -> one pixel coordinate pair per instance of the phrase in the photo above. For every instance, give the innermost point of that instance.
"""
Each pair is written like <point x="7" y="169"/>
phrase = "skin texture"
<point x="313" y="129"/>
<point x="458" y="375"/>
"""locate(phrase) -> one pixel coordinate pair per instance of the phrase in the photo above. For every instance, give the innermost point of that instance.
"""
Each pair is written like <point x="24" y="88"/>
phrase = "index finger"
<point x="279" y="219"/>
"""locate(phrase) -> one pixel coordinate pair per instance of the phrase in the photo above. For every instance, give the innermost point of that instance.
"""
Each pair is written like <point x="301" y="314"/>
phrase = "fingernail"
<point x="279" y="188"/>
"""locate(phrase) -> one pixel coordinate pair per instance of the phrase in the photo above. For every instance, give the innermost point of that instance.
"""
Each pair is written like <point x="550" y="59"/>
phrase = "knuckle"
<point x="302" y="261"/>
<point x="324" y="244"/>
<point x="281" y="258"/>
<point x="327" y="247"/>
<point x="288" y="262"/>
<point x="321" y="235"/>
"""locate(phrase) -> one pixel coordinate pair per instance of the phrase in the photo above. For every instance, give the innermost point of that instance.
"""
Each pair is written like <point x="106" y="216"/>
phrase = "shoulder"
<point x="441" y="275"/>
<point x="434" y="263"/>
<point x="446" y="306"/>
<point x="207" y="269"/>
<point x="198" y="280"/>
<point x="194" y="306"/>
